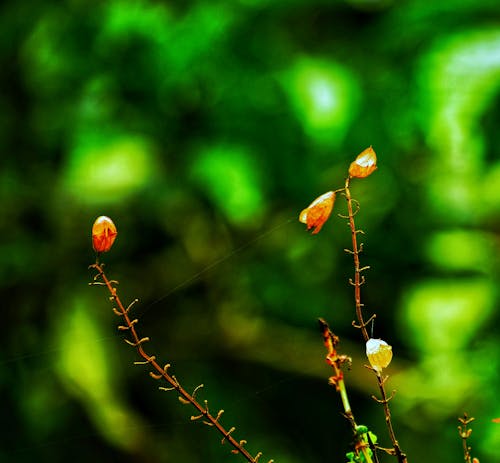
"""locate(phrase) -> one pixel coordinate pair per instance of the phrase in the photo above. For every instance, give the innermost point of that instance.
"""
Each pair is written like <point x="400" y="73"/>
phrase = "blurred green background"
<point x="203" y="128"/>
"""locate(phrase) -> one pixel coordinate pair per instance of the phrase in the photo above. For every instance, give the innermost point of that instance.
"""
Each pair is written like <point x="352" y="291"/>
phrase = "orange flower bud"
<point x="379" y="354"/>
<point x="364" y="164"/>
<point x="103" y="234"/>
<point x="317" y="213"/>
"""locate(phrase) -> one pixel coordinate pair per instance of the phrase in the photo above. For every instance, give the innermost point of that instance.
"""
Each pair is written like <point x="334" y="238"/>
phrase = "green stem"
<point x="343" y="397"/>
<point x="332" y="358"/>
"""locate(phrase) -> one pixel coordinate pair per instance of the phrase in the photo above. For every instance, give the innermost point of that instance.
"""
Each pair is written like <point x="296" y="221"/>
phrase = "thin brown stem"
<point x="387" y="412"/>
<point x="160" y="372"/>
<point x="358" y="281"/>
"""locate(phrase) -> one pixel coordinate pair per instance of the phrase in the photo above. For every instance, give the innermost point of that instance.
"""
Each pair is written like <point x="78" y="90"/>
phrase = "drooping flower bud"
<point x="103" y="234"/>
<point x="379" y="354"/>
<point x="317" y="213"/>
<point x="364" y="164"/>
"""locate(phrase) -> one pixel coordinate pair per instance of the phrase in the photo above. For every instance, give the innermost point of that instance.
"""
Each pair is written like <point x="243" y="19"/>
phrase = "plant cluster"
<point x="365" y="445"/>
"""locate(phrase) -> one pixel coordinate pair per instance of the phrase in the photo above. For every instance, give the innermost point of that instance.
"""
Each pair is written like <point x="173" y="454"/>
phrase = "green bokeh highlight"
<point x="461" y="250"/>
<point x="324" y="96"/>
<point x="106" y="171"/>
<point x="445" y="315"/>
<point x="240" y="195"/>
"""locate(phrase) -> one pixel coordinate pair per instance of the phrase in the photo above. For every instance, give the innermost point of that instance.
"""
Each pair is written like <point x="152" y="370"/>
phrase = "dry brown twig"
<point x="103" y="235"/>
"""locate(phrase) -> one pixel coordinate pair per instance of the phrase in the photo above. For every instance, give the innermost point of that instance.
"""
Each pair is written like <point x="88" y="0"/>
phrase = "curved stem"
<point x="162" y="372"/>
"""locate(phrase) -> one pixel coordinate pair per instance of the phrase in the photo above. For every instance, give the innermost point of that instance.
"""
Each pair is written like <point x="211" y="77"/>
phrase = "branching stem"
<point x="160" y="372"/>
<point x="357" y="282"/>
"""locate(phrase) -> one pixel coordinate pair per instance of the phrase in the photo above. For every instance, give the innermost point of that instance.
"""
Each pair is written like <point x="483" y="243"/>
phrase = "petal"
<point x="303" y="215"/>
<point x="364" y="164"/>
<point x="379" y="353"/>
<point x="317" y="213"/>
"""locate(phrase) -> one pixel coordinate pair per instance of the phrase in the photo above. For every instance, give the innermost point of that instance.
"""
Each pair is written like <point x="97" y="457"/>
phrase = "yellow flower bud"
<point x="379" y="354"/>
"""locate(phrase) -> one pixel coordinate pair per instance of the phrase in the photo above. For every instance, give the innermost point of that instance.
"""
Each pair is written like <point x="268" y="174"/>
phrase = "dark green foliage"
<point x="203" y="128"/>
